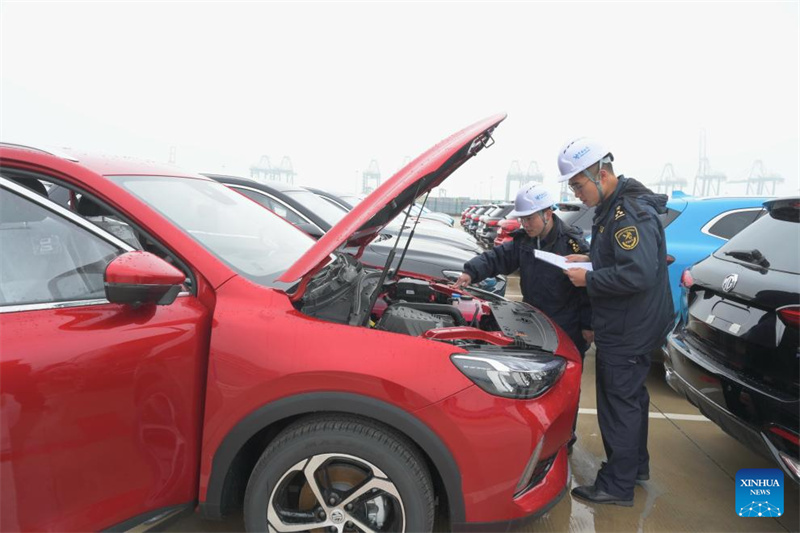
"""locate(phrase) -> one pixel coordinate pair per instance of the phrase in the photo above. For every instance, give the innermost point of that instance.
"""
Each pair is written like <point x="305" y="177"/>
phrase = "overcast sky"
<point x="334" y="86"/>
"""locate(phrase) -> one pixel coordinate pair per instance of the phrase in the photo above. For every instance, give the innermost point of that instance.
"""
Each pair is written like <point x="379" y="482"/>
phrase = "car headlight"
<point x="519" y="378"/>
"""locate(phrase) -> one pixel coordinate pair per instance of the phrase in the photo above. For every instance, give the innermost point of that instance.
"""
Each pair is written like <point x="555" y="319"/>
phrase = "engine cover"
<point x="400" y="319"/>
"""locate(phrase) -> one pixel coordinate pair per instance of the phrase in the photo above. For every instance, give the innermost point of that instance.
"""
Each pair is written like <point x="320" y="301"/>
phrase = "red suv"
<point x="168" y="342"/>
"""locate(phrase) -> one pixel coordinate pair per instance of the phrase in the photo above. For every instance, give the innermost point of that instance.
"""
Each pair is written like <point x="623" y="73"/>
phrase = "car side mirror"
<point x="138" y="278"/>
<point x="311" y="229"/>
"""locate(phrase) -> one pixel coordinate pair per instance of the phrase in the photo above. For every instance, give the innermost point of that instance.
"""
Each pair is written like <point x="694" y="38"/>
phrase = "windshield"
<point x="330" y="213"/>
<point x="253" y="241"/>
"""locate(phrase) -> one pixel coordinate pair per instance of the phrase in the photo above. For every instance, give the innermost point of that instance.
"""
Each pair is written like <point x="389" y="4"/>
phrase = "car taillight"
<point x="686" y="279"/>
<point x="670" y="259"/>
<point x="785" y="434"/>
<point x="790" y="316"/>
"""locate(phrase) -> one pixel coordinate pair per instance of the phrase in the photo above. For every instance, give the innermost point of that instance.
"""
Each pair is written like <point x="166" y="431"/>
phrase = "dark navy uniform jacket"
<point x="629" y="285"/>
<point x="544" y="286"/>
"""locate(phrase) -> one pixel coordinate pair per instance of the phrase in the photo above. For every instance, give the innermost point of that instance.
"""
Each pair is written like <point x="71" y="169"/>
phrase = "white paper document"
<point x="559" y="261"/>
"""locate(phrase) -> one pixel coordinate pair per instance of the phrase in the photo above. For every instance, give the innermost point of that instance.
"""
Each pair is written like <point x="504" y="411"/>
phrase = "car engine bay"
<point x="342" y="291"/>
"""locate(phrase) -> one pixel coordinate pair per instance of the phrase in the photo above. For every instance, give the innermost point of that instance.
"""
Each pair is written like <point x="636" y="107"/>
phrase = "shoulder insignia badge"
<point x="574" y="245"/>
<point x="627" y="238"/>
<point x="601" y="228"/>
<point x="618" y="213"/>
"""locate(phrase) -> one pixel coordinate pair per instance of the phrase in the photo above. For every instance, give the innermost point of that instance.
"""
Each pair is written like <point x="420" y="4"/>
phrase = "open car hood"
<point x="368" y="218"/>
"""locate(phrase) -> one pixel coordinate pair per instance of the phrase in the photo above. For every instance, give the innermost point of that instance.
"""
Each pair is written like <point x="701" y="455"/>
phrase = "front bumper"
<point x="494" y="439"/>
<point x="710" y="387"/>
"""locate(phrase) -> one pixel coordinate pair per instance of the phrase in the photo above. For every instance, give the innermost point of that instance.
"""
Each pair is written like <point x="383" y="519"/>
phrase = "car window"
<point x="101" y="215"/>
<point x="47" y="258"/>
<point x="277" y="207"/>
<point x="504" y="210"/>
<point x="729" y="224"/>
<point x="777" y="237"/>
<point x="327" y="211"/>
<point x="668" y="217"/>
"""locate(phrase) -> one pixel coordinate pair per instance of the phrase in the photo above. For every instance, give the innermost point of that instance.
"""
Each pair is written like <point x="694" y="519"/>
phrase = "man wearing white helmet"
<point x="543" y="285"/>
<point x="632" y="309"/>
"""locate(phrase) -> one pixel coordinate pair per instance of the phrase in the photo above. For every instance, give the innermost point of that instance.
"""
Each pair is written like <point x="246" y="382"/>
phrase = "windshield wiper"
<point x="749" y="256"/>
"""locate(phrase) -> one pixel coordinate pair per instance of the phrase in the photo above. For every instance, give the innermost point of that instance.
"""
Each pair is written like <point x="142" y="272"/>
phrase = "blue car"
<point x="694" y="227"/>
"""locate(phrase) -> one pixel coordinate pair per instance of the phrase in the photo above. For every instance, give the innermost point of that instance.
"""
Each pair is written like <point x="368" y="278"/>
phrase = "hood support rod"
<point x="374" y="296"/>
<point x="410" y="235"/>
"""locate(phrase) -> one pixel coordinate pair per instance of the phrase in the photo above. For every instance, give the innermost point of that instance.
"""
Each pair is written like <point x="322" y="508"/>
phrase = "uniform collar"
<point x="605" y="206"/>
<point x="555" y="231"/>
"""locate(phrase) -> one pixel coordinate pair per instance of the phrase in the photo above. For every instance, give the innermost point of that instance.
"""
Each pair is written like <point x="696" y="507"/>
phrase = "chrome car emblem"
<point x="337" y="516"/>
<point x="730" y="282"/>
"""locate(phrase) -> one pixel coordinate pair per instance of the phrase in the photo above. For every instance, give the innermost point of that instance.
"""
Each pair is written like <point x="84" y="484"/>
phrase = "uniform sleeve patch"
<point x="627" y="238"/>
<point x="618" y="213"/>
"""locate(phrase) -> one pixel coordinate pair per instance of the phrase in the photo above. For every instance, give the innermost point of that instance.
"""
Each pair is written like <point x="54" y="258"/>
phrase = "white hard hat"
<point x="531" y="198"/>
<point x="578" y="155"/>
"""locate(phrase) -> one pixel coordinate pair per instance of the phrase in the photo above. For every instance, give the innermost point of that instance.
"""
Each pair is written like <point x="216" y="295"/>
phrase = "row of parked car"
<point x="169" y="342"/>
<point x="437" y="250"/>
<point x="694" y="226"/>
<point x="735" y="276"/>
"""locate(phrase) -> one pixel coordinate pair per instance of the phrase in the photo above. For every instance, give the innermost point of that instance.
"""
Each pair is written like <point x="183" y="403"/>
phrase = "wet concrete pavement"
<point x="693" y="466"/>
<point x="693" y="469"/>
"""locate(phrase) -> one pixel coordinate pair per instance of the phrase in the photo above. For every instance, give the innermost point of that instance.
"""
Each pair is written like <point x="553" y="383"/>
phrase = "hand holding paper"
<point x="559" y="261"/>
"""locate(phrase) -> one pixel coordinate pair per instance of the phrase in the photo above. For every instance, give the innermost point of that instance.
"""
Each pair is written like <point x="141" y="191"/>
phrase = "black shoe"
<point x="639" y="477"/>
<point x="592" y="494"/>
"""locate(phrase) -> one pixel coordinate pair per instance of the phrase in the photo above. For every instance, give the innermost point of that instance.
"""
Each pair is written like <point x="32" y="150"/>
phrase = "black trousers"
<point x="622" y="410"/>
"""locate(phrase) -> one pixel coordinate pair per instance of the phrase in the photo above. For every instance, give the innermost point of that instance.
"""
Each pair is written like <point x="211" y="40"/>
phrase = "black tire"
<point x="339" y="450"/>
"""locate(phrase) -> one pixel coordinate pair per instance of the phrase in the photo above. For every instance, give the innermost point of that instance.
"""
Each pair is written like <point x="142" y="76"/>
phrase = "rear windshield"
<point x="578" y="216"/>
<point x="776" y="235"/>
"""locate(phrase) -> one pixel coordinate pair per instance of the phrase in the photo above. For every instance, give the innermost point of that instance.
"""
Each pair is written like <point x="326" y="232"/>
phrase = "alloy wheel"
<point x="335" y="493"/>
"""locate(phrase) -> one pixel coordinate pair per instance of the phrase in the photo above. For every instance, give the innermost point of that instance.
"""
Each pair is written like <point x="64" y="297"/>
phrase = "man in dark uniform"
<point x="543" y="285"/>
<point x="632" y="308"/>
